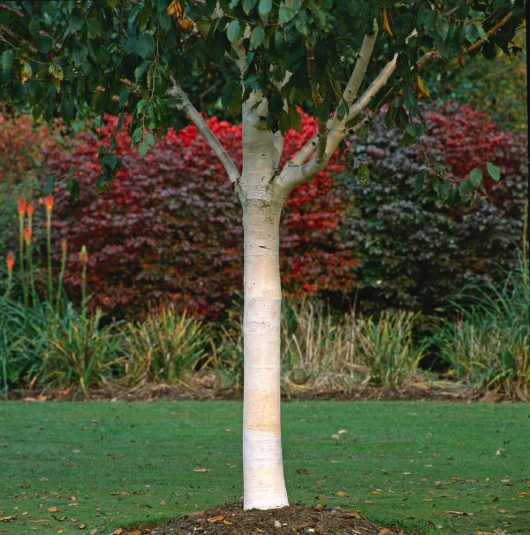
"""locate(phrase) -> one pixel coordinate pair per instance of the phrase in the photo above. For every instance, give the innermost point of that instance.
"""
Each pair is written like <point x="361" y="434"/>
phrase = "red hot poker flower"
<point x="21" y="206"/>
<point x="30" y="209"/>
<point x="48" y="203"/>
<point x="27" y="235"/>
<point x="10" y="261"/>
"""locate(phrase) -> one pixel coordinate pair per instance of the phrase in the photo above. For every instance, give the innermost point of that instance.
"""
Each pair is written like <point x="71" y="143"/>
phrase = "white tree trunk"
<point x="264" y="486"/>
<point x="262" y="201"/>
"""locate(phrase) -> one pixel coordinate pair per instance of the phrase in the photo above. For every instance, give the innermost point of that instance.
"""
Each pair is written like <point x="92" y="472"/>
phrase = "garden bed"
<point x="200" y="388"/>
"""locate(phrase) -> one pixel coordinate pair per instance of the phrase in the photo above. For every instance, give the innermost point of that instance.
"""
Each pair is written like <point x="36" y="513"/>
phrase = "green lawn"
<point x="108" y="464"/>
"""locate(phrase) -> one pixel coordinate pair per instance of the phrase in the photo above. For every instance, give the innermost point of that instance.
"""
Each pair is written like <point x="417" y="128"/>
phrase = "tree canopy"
<point x="127" y="56"/>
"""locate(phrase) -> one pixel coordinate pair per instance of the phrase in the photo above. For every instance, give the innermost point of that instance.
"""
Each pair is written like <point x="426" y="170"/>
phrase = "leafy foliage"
<point x="169" y="227"/>
<point x="413" y="249"/>
<point x="116" y="56"/>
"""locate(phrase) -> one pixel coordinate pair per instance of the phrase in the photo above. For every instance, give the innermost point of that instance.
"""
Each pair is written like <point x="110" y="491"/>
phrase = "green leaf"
<point x="286" y="13"/>
<point x="493" y="171"/>
<point x="232" y="30"/>
<point x="44" y="43"/>
<point x="109" y="162"/>
<point x="143" y="149"/>
<point x="442" y="27"/>
<point x="342" y="109"/>
<point x="475" y="177"/>
<point x="256" y="37"/>
<point x="6" y="61"/>
<point x="285" y="122"/>
<point x="363" y="174"/>
<point x="248" y="5"/>
<point x="142" y="45"/>
<point x="73" y="187"/>
<point x="137" y="135"/>
<point x="295" y="118"/>
<point x="264" y="7"/>
<point x="48" y="187"/>
<point x="149" y="139"/>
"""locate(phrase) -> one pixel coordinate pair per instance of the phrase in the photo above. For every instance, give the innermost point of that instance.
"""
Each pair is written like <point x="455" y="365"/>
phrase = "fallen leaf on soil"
<point x="320" y="506"/>
<point x="355" y="514"/>
<point x="340" y="493"/>
<point x="216" y="518"/>
<point x="163" y="502"/>
<point x="53" y="509"/>
<point x="303" y="526"/>
<point x="507" y="482"/>
<point x="342" y="431"/>
<point x="384" y="531"/>
<point x="135" y="532"/>
<point x="195" y="514"/>
<point x="334" y="436"/>
<point x="93" y="532"/>
<point x="7" y="518"/>
<point x="459" y="513"/>
<point x="260" y="530"/>
<point x="202" y="470"/>
<point x="227" y="522"/>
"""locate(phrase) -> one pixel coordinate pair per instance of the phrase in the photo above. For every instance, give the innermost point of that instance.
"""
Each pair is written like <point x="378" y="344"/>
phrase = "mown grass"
<point x="403" y="463"/>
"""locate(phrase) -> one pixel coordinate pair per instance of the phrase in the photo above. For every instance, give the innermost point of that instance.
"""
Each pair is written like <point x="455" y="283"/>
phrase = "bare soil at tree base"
<point x="230" y="518"/>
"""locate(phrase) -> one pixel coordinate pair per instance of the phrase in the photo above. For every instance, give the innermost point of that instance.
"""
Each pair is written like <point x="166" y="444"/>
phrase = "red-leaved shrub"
<point x="169" y="227"/>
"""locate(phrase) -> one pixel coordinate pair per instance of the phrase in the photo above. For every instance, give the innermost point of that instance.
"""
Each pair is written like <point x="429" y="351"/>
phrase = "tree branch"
<point x="490" y="32"/>
<point x="359" y="71"/>
<point x="204" y="129"/>
<point x="380" y="80"/>
<point x="350" y="92"/>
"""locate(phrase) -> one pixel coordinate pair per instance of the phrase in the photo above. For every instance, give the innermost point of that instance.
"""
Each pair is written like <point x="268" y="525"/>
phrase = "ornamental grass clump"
<point x="323" y="352"/>
<point x="164" y="346"/>
<point x="487" y="345"/>
<point x="79" y="351"/>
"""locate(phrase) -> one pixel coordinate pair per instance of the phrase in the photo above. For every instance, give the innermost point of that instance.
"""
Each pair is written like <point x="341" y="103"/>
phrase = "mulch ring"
<point x="229" y="518"/>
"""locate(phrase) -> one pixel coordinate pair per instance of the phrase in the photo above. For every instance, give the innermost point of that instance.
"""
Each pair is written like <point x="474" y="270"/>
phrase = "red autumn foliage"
<point x="169" y="227"/>
<point x="21" y="145"/>
<point x="467" y="138"/>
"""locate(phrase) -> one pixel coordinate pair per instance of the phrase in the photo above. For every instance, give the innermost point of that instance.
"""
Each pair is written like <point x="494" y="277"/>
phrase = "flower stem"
<point x="49" y="253"/>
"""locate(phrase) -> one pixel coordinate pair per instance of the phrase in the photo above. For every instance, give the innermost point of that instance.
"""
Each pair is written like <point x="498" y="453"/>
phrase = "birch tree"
<point x="339" y="60"/>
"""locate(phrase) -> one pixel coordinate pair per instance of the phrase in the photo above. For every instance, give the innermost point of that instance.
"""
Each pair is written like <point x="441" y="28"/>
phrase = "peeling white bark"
<point x="264" y="486"/>
<point x="262" y="201"/>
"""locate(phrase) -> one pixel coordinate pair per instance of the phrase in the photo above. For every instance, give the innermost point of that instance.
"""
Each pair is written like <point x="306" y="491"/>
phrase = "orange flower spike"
<point x="27" y="235"/>
<point x="10" y="261"/>
<point x="48" y="204"/>
<point x="21" y="206"/>
<point x="30" y="209"/>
